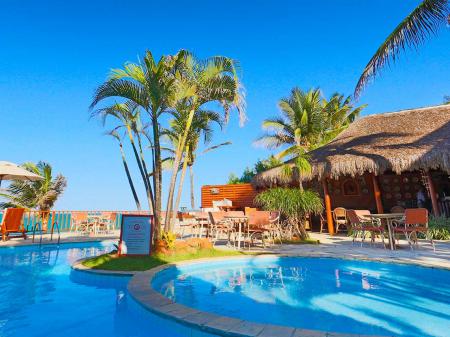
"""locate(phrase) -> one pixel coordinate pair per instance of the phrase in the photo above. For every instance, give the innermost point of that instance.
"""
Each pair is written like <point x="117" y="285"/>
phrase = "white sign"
<point x="135" y="234"/>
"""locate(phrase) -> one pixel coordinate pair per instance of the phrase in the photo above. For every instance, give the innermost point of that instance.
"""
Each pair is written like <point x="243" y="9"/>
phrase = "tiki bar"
<point x="380" y="162"/>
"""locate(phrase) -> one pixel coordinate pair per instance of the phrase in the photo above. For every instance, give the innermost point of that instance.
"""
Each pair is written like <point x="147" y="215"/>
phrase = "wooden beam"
<point x="434" y="201"/>
<point x="377" y="194"/>
<point x="328" y="207"/>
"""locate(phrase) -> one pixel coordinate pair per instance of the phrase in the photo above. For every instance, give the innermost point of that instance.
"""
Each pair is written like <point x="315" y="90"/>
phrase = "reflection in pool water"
<point x="317" y="293"/>
<point x="41" y="296"/>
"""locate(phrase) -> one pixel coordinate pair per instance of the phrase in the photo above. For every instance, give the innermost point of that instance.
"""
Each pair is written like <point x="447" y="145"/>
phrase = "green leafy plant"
<point x="294" y="205"/>
<point x="439" y="228"/>
<point x="169" y="239"/>
<point x="40" y="195"/>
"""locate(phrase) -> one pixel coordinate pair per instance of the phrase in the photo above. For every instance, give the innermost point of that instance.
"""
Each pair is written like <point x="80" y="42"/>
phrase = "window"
<point x="350" y="187"/>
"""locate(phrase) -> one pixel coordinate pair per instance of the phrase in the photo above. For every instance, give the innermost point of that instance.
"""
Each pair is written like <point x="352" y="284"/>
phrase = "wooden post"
<point x="328" y="207"/>
<point x="434" y="201"/>
<point x="377" y="194"/>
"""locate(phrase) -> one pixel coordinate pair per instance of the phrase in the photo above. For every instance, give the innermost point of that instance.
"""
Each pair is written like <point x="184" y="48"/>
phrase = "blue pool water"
<point x="317" y="293"/>
<point x="41" y="296"/>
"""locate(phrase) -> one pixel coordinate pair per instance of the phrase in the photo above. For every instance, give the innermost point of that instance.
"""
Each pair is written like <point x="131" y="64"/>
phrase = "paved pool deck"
<point x="66" y="237"/>
<point x="335" y="246"/>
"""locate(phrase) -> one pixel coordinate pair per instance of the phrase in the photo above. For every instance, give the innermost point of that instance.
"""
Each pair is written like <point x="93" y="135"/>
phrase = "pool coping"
<point x="141" y="290"/>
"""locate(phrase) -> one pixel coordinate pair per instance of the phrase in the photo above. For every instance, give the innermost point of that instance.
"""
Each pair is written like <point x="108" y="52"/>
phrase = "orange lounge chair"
<point x="12" y="223"/>
<point x="415" y="222"/>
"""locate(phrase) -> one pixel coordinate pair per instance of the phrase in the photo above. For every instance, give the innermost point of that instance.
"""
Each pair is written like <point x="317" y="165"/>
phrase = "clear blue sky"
<point x="53" y="54"/>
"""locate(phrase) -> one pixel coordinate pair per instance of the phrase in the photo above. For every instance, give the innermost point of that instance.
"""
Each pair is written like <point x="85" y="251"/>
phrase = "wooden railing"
<point x="64" y="218"/>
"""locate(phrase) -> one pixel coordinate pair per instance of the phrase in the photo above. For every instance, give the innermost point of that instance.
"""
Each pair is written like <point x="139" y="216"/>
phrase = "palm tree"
<point x="129" y="117"/>
<point x="201" y="126"/>
<point x="199" y="83"/>
<point x="150" y="85"/>
<point x="116" y="135"/>
<point x="423" y="22"/>
<point x="40" y="195"/>
<point x="307" y="121"/>
<point x="446" y="99"/>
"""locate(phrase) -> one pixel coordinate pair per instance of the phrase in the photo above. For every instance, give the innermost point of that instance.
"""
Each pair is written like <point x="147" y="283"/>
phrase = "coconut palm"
<point x="40" y="195"/>
<point x="201" y="127"/>
<point x="116" y="135"/>
<point x="199" y="83"/>
<point x="423" y="22"/>
<point x="150" y="85"/>
<point x="307" y="121"/>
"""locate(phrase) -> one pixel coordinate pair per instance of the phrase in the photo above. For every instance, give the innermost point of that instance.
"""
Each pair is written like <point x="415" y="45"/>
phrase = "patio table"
<point x="388" y="218"/>
<point x="238" y="220"/>
<point x="201" y="220"/>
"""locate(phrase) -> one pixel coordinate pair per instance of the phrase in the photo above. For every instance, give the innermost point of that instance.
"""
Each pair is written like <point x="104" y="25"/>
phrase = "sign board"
<point x="135" y="234"/>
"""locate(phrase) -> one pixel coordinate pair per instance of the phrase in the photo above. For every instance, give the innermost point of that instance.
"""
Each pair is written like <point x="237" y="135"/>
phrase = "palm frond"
<point x="423" y="22"/>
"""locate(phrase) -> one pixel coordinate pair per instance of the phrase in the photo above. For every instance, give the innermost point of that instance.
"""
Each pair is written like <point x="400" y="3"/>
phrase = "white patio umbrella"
<point x="11" y="171"/>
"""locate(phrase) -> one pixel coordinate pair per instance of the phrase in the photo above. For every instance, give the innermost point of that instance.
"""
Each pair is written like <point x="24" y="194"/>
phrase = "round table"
<point x="389" y="218"/>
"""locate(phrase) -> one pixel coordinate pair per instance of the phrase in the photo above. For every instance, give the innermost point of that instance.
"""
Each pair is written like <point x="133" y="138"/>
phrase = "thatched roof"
<point x="398" y="141"/>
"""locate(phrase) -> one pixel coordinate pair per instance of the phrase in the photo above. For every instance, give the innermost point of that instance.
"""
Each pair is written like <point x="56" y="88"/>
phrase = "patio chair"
<point x="186" y="222"/>
<point x="79" y="222"/>
<point x="107" y="222"/>
<point x="220" y="225"/>
<point x="323" y="222"/>
<point x="261" y="225"/>
<point x="361" y="224"/>
<point x="248" y="210"/>
<point x="12" y="223"/>
<point x="415" y="222"/>
<point x="340" y="217"/>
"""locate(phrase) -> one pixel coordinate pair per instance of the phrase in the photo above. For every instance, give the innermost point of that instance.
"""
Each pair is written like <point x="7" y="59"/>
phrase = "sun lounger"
<point x="12" y="223"/>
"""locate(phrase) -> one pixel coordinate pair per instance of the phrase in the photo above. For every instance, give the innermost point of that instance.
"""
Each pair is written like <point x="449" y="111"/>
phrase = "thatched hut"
<point x="381" y="161"/>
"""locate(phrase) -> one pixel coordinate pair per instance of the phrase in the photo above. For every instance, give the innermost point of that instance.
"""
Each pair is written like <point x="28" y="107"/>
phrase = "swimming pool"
<point x="41" y="296"/>
<point x="327" y="294"/>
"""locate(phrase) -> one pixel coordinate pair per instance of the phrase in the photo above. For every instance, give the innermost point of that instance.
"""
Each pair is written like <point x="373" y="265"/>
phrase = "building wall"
<point x="241" y="195"/>
<point x="361" y="197"/>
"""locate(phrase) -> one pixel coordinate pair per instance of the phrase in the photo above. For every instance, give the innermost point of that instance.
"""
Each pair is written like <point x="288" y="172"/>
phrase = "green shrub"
<point x="294" y="205"/>
<point x="169" y="239"/>
<point x="439" y="228"/>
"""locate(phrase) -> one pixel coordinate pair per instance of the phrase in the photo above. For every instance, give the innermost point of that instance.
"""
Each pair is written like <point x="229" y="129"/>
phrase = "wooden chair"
<point x="340" y="217"/>
<point x="361" y="224"/>
<point x="415" y="222"/>
<point x="12" y="223"/>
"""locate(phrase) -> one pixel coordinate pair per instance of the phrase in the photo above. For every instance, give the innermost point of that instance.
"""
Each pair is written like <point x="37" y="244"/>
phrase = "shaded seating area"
<point x="391" y="161"/>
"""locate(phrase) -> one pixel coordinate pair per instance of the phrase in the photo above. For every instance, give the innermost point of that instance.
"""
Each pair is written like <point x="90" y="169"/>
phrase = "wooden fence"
<point x="242" y="195"/>
<point x="64" y="218"/>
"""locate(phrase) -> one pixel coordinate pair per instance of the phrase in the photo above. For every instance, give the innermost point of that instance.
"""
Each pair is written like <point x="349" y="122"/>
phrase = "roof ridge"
<point x="390" y="113"/>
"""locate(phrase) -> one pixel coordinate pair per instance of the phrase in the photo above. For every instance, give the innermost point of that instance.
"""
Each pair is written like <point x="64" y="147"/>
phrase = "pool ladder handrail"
<point x="38" y="226"/>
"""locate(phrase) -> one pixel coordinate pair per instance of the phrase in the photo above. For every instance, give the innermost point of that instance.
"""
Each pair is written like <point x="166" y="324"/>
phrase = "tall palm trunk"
<point x="157" y="177"/>
<point x="181" y="182"/>
<point x="191" y="176"/>
<point x="141" y="170"/>
<point x="147" y="178"/>
<point x="168" y="226"/>
<point x="130" y="180"/>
